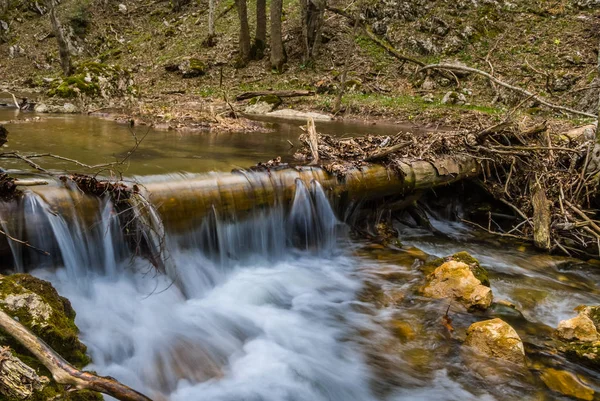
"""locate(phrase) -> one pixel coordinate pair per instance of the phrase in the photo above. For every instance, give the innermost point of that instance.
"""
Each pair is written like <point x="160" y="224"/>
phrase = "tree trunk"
<point x="244" y="42"/>
<point x="211" y="18"/>
<point x="278" y="56"/>
<point x="313" y="12"/>
<point x="61" y="38"/>
<point x="260" y="39"/>
<point x="338" y="98"/>
<point x="598" y="119"/>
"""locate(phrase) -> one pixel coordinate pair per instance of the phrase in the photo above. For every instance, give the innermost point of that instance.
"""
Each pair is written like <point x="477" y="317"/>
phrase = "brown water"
<point x="96" y="141"/>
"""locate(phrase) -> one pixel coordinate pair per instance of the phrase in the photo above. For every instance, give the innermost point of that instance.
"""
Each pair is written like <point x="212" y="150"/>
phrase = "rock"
<point x="589" y="98"/>
<point x="564" y="83"/>
<point x="454" y="98"/>
<point x="455" y="280"/>
<point x="497" y="339"/>
<point x="480" y="273"/>
<point x="192" y="68"/>
<point x="428" y="98"/>
<point x="580" y="328"/>
<point x="298" y="115"/>
<point x="428" y="84"/>
<point x="69" y="108"/>
<point x="580" y="134"/>
<point x="18" y="380"/>
<point x="587" y="3"/>
<point x="402" y="330"/>
<point x="4" y="26"/>
<point x="122" y="8"/>
<point x="566" y="383"/>
<point x="41" y="108"/>
<point x="15" y="51"/>
<point x="258" y="108"/>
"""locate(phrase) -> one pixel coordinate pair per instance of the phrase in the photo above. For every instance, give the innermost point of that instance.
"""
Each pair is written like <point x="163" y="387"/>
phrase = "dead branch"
<point x="25" y="243"/>
<point x="313" y="140"/>
<point x="62" y="371"/>
<point x="508" y="86"/>
<point x="387" y="151"/>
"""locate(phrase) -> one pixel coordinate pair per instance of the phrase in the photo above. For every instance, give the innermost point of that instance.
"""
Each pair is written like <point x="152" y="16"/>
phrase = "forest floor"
<point x="548" y="48"/>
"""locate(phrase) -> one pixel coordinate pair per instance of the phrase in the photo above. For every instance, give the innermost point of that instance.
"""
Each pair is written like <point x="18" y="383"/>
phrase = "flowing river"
<point x="283" y="303"/>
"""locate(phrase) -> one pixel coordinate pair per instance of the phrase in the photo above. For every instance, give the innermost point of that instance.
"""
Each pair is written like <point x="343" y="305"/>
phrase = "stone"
<point x="193" y="68"/>
<point x="258" y="108"/>
<point x="587" y="3"/>
<point x="428" y="98"/>
<point x="496" y="339"/>
<point x="69" y="108"/>
<point x="41" y="108"/>
<point x="428" y="84"/>
<point x="454" y="98"/>
<point x="402" y="330"/>
<point x="579" y="328"/>
<point x="566" y="383"/>
<point x="455" y="280"/>
<point x="122" y="8"/>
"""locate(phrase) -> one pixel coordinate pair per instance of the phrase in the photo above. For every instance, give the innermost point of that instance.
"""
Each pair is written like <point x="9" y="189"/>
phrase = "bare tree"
<point x="61" y="38"/>
<point x="278" y="56"/>
<point x="244" y="41"/>
<point x="313" y="16"/>
<point x="260" y="38"/>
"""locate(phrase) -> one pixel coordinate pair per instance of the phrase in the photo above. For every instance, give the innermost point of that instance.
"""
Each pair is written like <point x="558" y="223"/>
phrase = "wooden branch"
<point x="508" y="86"/>
<point x="27" y="244"/>
<point x="62" y="371"/>
<point x="387" y="151"/>
<point x="541" y="217"/>
<point x="313" y="140"/>
<point x="291" y="93"/>
<point x="584" y="216"/>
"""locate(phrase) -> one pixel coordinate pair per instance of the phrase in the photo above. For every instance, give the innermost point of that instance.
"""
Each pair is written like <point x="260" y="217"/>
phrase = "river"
<point x="278" y="305"/>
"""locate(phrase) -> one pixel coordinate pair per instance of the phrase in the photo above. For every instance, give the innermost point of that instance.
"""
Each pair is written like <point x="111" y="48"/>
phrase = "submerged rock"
<point x="455" y="280"/>
<point x="497" y="339"/>
<point x="566" y="383"/>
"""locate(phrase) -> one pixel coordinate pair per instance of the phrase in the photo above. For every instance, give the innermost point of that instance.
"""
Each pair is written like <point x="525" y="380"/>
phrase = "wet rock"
<point x="402" y="331"/>
<point x="497" y="339"/>
<point x="579" y="328"/>
<point x="480" y="273"/>
<point x="566" y="383"/>
<point x="455" y="280"/>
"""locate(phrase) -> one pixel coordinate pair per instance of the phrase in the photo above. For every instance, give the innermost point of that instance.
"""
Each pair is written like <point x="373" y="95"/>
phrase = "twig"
<point x="27" y="244"/>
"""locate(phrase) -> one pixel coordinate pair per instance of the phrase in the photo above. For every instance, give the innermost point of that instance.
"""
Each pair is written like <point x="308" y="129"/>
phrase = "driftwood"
<point x="312" y="140"/>
<point x="62" y="371"/>
<point x="291" y="93"/>
<point x="453" y="67"/>
<point x="387" y="151"/>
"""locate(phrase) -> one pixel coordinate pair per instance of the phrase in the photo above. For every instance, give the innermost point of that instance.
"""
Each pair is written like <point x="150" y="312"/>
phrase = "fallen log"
<point x="62" y="371"/>
<point x="291" y="93"/>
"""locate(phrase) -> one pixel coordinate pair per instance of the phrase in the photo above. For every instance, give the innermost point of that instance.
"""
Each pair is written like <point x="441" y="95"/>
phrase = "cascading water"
<point x="250" y="309"/>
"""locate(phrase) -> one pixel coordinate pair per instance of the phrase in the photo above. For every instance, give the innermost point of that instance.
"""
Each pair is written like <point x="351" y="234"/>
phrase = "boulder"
<point x="566" y="383"/>
<point x="37" y="306"/>
<point x="579" y="328"/>
<point x="263" y="104"/>
<point x="455" y="280"/>
<point x="192" y="68"/>
<point x="41" y="108"/>
<point x="69" y="108"/>
<point x="496" y="339"/>
<point x="454" y="98"/>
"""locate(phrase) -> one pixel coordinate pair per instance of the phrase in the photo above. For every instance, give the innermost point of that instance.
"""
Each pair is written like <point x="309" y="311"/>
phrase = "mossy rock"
<point x="272" y="100"/>
<point x="37" y="305"/>
<point x="479" y="272"/>
<point x="193" y="68"/>
<point x="93" y="79"/>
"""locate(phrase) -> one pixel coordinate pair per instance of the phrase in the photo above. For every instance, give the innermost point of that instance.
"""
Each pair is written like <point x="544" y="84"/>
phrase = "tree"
<point x="313" y="15"/>
<point x="260" y="37"/>
<point x="244" y="41"/>
<point x="63" y="43"/>
<point x="598" y="120"/>
<point x="278" y="56"/>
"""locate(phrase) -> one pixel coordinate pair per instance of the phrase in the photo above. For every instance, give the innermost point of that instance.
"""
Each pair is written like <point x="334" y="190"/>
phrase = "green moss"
<point x="59" y="332"/>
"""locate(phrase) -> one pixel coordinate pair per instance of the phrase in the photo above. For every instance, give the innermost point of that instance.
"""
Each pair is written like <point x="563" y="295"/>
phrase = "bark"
<point x="260" y="38"/>
<point x="62" y="371"/>
<point x="278" y="56"/>
<point x="211" y="18"/>
<point x="250" y="95"/>
<point x="541" y="217"/>
<point x="244" y="38"/>
<point x="313" y="13"/>
<point x="313" y="140"/>
<point x="61" y="38"/>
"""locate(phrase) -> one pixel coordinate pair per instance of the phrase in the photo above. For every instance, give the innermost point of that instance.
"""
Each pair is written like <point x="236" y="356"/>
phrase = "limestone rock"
<point x="455" y="280"/>
<point x="566" y="383"/>
<point x="497" y="339"/>
<point x="41" y="108"/>
<point x="258" y="108"/>
<point x="69" y="108"/>
<point x="122" y="8"/>
<point x="299" y="115"/>
<point x="454" y="98"/>
<point x="579" y="328"/>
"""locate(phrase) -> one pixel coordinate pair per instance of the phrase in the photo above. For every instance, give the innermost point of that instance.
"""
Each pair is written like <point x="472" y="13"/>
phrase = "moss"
<point x="59" y="332"/>
<point x="587" y="354"/>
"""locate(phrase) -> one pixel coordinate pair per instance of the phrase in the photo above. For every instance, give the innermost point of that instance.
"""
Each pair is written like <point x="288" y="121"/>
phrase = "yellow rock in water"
<point x="567" y="383"/>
